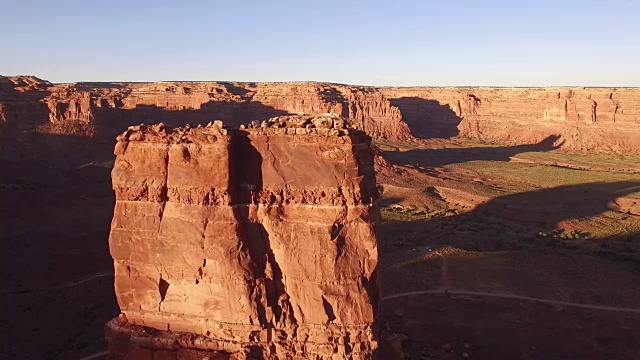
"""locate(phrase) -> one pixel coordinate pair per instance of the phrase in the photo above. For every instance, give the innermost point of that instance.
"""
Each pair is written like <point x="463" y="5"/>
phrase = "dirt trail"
<point x="508" y="296"/>
<point x="98" y="355"/>
<point x="445" y="271"/>
<point x="65" y="285"/>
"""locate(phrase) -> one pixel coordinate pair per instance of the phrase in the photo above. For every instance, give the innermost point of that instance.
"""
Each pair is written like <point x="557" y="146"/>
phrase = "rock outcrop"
<point x="589" y="119"/>
<point x="251" y="243"/>
<point x="112" y="107"/>
<point x="21" y="105"/>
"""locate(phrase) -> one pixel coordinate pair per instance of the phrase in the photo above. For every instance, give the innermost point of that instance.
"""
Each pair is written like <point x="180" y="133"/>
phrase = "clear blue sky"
<point x="481" y="42"/>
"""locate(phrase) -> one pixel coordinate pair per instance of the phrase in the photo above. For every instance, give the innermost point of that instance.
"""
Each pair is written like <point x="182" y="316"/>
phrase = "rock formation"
<point x="21" y="105"/>
<point x="251" y="243"/>
<point x="112" y="107"/>
<point x="589" y="119"/>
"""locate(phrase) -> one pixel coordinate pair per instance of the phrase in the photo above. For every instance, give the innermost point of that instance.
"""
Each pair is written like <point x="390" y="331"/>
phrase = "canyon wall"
<point x="590" y="119"/>
<point x="586" y="119"/>
<point x="109" y="108"/>
<point x="21" y="103"/>
<point x="260" y="242"/>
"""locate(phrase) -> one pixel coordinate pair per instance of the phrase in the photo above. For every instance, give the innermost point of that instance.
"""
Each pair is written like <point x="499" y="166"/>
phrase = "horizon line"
<point x="324" y="82"/>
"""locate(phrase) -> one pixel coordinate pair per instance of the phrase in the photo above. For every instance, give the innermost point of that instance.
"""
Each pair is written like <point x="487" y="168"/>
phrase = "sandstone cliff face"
<point x="600" y="119"/>
<point x="365" y="107"/>
<point x="21" y="105"/>
<point x="112" y="108"/>
<point x="587" y="119"/>
<point x="261" y="241"/>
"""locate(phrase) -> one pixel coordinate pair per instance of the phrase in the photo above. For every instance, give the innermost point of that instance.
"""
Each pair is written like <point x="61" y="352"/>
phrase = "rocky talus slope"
<point x="251" y="243"/>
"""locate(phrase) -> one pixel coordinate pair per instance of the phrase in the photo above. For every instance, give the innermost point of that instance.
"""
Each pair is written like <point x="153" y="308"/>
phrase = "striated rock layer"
<point x="587" y="119"/>
<point x="112" y="107"/>
<point x="260" y="242"/>
<point x="591" y="119"/>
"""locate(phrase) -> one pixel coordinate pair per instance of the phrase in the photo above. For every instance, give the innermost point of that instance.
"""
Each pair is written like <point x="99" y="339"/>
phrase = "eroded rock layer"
<point x="589" y="119"/>
<point x="88" y="108"/>
<point x="260" y="241"/>
<point x="586" y="119"/>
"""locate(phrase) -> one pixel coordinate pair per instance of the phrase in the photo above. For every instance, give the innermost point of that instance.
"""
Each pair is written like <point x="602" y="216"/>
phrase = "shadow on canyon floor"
<point x="56" y="206"/>
<point x="456" y="327"/>
<point x="55" y="212"/>
<point x="427" y="118"/>
<point x="430" y="158"/>
<point x="548" y="207"/>
<point x="512" y="221"/>
<point x="497" y="248"/>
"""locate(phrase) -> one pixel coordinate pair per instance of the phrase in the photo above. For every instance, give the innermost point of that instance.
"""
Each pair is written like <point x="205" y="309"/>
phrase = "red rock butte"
<point x="257" y="242"/>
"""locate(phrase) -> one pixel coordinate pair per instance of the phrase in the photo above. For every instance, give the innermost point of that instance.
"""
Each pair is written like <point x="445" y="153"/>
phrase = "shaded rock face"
<point x="260" y="241"/>
<point x="591" y="119"/>
<point x="110" y="108"/>
<point x="21" y="104"/>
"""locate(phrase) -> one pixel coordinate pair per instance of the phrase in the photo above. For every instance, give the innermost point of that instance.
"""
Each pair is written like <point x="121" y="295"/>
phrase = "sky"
<point x="396" y="43"/>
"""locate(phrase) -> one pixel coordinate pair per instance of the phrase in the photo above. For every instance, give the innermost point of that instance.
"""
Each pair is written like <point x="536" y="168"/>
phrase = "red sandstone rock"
<point x="259" y="240"/>
<point x="116" y="106"/>
<point x="589" y="119"/>
<point x="21" y="106"/>
<point x="592" y="119"/>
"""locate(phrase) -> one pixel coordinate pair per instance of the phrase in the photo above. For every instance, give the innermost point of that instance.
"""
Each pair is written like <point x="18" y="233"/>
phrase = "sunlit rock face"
<point x="258" y="242"/>
<point x="103" y="109"/>
<point x="586" y="119"/>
